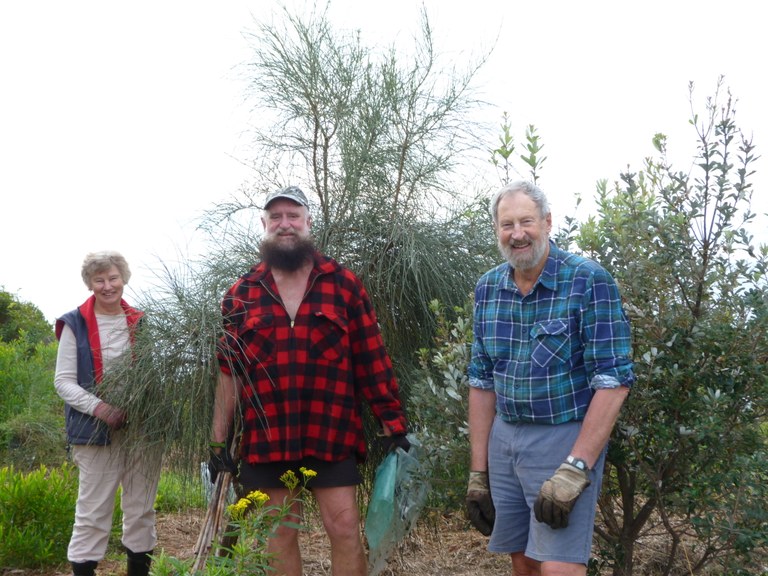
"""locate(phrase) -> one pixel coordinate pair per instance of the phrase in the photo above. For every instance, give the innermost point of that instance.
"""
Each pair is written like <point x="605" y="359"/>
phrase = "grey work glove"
<point x="558" y="495"/>
<point x="478" y="502"/>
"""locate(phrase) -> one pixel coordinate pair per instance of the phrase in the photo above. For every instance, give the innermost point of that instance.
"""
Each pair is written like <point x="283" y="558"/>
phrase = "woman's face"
<point x="107" y="287"/>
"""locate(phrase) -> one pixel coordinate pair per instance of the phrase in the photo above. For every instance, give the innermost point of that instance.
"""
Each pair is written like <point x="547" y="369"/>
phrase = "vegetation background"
<point x="378" y="140"/>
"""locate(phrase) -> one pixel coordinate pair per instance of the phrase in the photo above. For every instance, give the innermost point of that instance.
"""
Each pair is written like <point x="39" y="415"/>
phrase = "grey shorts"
<point x="520" y="458"/>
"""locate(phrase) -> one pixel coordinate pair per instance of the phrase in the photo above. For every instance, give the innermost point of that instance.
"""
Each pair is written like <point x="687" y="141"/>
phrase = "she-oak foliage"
<point x="373" y="139"/>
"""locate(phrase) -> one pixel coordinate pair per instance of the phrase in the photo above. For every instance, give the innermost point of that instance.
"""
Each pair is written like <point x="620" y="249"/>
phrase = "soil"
<point x="442" y="546"/>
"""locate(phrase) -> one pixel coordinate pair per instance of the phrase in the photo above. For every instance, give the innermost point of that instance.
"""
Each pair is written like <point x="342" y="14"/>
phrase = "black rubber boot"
<point x="138" y="563"/>
<point x="87" y="568"/>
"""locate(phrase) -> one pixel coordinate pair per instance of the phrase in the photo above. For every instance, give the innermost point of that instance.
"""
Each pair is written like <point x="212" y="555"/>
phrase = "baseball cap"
<point x="291" y="193"/>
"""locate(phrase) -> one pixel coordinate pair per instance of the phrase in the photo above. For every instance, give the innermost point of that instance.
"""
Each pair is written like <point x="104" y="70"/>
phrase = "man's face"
<point x="287" y="243"/>
<point x="522" y="234"/>
<point x="285" y="221"/>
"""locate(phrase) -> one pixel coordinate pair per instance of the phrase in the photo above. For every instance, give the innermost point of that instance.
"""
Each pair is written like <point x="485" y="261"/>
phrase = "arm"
<point x="482" y="411"/>
<point x="608" y="362"/>
<point x="224" y="407"/>
<point x="227" y="393"/>
<point x="221" y="457"/>
<point x="607" y="358"/>
<point x="373" y="371"/>
<point x="65" y="380"/>
<point x="559" y="493"/>
<point x="596" y="429"/>
<point x="479" y="504"/>
<point x="69" y="389"/>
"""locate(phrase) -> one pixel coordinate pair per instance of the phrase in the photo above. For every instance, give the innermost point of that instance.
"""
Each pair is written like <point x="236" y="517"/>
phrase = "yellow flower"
<point x="307" y="473"/>
<point x="289" y="479"/>
<point x="238" y="509"/>
<point x="257" y="497"/>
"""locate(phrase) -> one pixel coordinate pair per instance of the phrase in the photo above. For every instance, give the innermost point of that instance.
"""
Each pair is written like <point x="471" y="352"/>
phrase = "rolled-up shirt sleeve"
<point x="606" y="332"/>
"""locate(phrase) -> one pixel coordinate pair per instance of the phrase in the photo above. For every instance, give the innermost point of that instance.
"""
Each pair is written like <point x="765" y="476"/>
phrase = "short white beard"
<point x="539" y="249"/>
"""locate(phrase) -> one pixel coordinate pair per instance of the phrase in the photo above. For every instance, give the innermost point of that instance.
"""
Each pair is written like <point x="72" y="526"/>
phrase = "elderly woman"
<point x="91" y="338"/>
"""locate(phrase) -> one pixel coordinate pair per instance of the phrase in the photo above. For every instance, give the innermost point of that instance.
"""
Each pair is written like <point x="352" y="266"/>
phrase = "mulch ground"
<point x="436" y="546"/>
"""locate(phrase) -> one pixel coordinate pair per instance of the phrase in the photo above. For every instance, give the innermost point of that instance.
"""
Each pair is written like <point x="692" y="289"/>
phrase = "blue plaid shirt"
<point x="545" y="353"/>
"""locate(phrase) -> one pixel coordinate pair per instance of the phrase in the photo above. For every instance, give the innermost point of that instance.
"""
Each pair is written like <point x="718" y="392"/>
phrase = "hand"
<point x="558" y="495"/>
<point x="399" y="441"/>
<point x="111" y="416"/>
<point x="220" y="461"/>
<point x="479" y="505"/>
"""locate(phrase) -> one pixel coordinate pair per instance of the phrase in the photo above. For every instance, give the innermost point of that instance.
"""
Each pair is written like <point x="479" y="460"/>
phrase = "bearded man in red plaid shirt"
<point x="302" y="350"/>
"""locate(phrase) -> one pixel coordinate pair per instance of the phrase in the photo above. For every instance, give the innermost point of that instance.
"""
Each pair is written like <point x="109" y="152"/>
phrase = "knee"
<point x="524" y="566"/>
<point x="345" y="524"/>
<point x="284" y="535"/>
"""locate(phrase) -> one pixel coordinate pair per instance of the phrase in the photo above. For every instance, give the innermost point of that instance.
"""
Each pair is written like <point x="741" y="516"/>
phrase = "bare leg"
<point x="524" y="566"/>
<point x="283" y="544"/>
<point x="563" y="569"/>
<point x="341" y="519"/>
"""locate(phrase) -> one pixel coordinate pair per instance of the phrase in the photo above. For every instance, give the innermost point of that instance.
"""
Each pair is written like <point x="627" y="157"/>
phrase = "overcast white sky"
<point x="120" y="122"/>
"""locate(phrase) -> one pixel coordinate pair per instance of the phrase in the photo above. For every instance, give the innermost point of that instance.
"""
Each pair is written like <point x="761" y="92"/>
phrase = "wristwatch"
<point x="578" y="463"/>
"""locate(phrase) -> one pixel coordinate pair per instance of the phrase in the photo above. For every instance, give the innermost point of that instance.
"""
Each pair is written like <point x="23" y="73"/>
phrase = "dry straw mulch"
<point x="437" y="546"/>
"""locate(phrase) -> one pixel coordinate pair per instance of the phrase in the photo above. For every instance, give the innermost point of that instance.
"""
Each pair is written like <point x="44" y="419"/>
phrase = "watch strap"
<point x="577" y="463"/>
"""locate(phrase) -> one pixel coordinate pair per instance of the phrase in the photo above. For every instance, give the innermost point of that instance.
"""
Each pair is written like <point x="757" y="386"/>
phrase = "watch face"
<point x="578" y="462"/>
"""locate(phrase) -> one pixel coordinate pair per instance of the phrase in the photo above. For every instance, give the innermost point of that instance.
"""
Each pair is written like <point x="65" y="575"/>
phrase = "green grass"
<point x="177" y="493"/>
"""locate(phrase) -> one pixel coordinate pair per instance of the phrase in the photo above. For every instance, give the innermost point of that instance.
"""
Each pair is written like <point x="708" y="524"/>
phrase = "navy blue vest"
<point x="83" y="428"/>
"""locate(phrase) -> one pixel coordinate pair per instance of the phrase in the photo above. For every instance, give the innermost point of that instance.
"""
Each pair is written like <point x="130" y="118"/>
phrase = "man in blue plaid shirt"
<point x="550" y="369"/>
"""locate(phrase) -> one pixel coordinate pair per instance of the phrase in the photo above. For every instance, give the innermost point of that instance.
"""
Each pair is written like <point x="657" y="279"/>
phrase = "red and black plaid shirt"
<point x="303" y="383"/>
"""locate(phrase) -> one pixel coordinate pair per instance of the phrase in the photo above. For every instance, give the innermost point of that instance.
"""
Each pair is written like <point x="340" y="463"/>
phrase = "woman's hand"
<point x="111" y="416"/>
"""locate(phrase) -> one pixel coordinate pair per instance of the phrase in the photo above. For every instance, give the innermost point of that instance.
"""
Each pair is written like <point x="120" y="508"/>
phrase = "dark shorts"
<point x="329" y="474"/>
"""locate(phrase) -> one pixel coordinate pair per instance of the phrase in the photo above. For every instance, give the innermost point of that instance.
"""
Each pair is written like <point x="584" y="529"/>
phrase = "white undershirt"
<point x="114" y="336"/>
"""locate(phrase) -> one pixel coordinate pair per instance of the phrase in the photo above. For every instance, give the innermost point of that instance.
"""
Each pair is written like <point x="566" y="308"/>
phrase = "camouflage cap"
<point x="290" y="193"/>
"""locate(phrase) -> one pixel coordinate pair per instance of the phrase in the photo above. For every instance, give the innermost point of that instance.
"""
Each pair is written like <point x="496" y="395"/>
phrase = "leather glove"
<point x="558" y="495"/>
<point x="400" y="441"/>
<point x="479" y="505"/>
<point x="221" y="462"/>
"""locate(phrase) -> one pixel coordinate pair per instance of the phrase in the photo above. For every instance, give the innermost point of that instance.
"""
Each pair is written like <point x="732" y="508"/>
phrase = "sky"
<point x="122" y="122"/>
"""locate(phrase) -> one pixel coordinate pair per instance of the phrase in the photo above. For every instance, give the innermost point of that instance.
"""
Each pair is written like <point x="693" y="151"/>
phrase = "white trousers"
<point x="103" y="469"/>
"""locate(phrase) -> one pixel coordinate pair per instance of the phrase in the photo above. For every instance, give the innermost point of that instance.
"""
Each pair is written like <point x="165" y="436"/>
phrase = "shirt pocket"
<point x="551" y="343"/>
<point x="256" y="338"/>
<point x="328" y="335"/>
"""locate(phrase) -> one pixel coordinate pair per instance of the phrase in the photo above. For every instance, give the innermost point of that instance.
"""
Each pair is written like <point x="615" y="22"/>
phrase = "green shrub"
<point x="37" y="510"/>
<point x="36" y="514"/>
<point x="177" y="492"/>
<point x="31" y="413"/>
<point x="22" y="321"/>
<point x="34" y="438"/>
<point x="26" y="378"/>
<point x="438" y="404"/>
